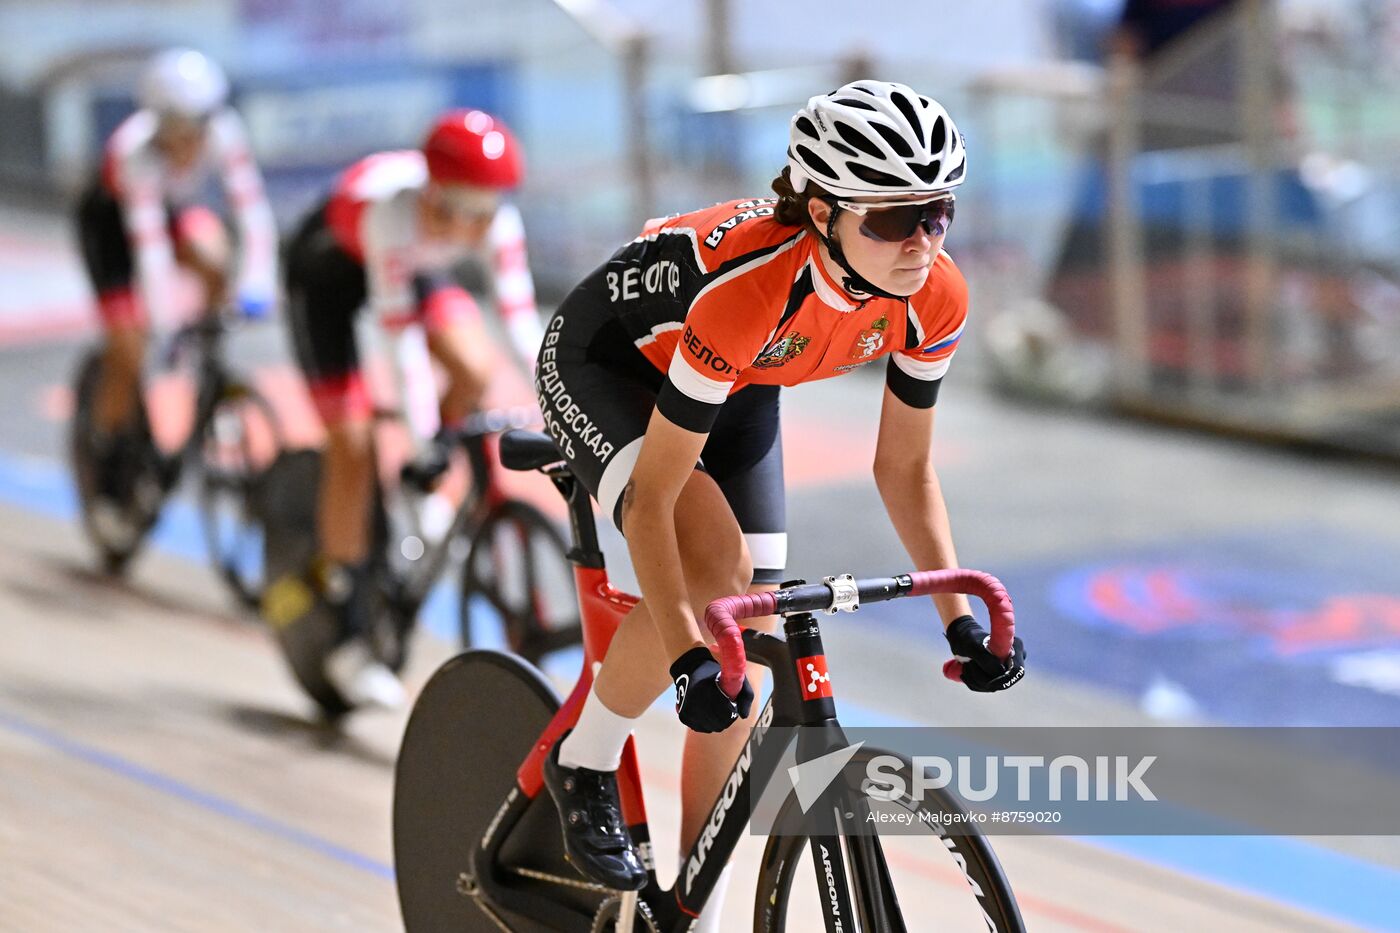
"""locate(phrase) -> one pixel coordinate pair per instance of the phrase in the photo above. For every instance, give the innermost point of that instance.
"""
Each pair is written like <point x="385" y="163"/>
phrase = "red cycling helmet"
<point x="471" y="147"/>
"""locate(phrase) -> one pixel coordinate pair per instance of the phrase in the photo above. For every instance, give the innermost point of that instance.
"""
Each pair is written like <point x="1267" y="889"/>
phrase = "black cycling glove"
<point x="700" y="702"/>
<point x="983" y="671"/>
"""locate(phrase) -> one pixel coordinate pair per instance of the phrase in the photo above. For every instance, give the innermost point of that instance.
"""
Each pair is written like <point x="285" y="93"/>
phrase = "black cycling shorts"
<point x="326" y="287"/>
<point x="597" y="392"/>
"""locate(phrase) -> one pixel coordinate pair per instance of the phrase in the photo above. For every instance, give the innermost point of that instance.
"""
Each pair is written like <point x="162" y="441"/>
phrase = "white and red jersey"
<point x="373" y="215"/>
<point x="139" y="177"/>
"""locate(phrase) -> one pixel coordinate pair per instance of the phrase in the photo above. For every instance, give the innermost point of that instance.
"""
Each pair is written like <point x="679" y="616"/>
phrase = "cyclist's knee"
<point x="350" y="441"/>
<point x="126" y="349"/>
<point x="467" y="367"/>
<point x="716" y="567"/>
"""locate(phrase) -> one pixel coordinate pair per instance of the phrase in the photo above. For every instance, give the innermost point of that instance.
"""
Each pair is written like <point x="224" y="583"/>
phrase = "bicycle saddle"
<point x="527" y="450"/>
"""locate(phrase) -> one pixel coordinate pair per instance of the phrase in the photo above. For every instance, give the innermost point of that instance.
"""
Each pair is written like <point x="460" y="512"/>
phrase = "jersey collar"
<point x="830" y="293"/>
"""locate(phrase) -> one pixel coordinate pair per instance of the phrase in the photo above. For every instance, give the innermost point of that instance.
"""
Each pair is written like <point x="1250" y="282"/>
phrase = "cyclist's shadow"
<point x="310" y="733"/>
<point x="95" y="590"/>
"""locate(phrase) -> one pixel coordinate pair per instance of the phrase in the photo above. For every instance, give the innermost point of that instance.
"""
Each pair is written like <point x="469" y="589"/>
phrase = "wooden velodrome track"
<point x="159" y="772"/>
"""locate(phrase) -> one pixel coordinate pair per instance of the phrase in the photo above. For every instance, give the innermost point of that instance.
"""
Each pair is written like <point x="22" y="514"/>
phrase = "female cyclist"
<point x="659" y="381"/>
<point x="386" y="237"/>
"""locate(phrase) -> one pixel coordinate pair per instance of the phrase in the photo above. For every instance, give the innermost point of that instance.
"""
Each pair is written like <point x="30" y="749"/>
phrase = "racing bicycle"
<point x="477" y="844"/>
<point x="512" y="557"/>
<point x="234" y="436"/>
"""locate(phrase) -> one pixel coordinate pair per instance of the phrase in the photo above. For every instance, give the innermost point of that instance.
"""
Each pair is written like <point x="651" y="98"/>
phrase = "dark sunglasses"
<point x="894" y="223"/>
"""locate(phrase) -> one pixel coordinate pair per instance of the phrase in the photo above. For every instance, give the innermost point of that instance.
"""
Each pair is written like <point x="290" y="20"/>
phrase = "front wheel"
<point x="519" y="564"/>
<point x="923" y="879"/>
<point x="240" y="441"/>
<point x="116" y="528"/>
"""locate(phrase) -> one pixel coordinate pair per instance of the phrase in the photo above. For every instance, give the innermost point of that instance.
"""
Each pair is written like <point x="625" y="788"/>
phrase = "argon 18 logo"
<point x="812" y="674"/>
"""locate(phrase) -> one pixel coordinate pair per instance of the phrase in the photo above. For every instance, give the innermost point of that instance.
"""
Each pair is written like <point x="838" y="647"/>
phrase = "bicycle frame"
<point x="603" y="607"/>
<point x="484" y="494"/>
<point x="211" y="380"/>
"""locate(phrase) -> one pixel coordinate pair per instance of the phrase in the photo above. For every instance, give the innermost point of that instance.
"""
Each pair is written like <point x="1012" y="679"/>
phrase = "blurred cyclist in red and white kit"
<point x="142" y="217"/>
<point x="393" y="225"/>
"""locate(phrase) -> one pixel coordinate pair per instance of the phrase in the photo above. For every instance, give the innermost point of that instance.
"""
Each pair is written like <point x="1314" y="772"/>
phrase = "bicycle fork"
<point x="851" y="862"/>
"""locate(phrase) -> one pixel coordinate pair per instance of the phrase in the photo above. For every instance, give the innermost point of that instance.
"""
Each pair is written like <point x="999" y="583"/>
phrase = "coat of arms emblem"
<point x="776" y="354"/>
<point x="871" y="340"/>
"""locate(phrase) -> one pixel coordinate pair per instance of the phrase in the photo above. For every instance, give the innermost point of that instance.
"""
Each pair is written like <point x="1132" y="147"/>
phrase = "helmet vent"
<point x="897" y="142"/>
<point x="940" y="135"/>
<point x="858" y="140"/>
<point x="844" y="149"/>
<point x="956" y="173"/>
<point x="851" y="102"/>
<point x="815" y="162"/>
<point x="928" y="171"/>
<point x="873" y="176"/>
<point x="805" y="126"/>
<point x="910" y="113"/>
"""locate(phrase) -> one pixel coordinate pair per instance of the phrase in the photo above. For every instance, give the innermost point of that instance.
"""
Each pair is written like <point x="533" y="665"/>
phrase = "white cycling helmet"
<point x="183" y="82"/>
<point x="875" y="138"/>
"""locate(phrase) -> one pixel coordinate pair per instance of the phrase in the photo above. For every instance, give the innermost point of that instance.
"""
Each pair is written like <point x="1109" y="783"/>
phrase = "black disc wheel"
<point x="241" y="440"/>
<point x="305" y="626"/>
<point x="518" y="564"/>
<point x="117" y="527"/>
<point x="472" y="726"/>
<point x="924" y="880"/>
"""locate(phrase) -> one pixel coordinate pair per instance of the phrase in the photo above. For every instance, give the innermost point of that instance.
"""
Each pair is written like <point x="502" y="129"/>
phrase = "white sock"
<point x="598" y="739"/>
<point x="714" y="907"/>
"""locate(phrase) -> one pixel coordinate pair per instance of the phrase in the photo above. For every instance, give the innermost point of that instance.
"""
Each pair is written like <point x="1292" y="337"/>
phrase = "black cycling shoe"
<point x="423" y="471"/>
<point x="595" y="840"/>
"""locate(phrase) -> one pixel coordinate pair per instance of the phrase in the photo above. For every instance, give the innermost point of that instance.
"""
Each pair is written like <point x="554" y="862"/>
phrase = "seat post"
<point x="585" y="551"/>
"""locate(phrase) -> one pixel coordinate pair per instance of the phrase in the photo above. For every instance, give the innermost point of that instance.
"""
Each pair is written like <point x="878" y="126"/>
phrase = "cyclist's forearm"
<point x="914" y="500"/>
<point x="655" y="552"/>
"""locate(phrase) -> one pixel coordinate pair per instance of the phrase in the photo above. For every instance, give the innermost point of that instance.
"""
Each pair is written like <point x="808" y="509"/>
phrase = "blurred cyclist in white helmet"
<point x="141" y="218"/>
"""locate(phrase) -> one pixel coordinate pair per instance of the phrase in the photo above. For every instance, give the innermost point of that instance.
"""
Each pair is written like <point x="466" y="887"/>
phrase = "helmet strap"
<point x="853" y="281"/>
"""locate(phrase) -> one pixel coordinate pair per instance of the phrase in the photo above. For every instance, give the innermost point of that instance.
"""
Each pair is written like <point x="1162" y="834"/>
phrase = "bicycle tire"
<point x="231" y="469"/>
<point x="473" y="724"/>
<point x="986" y="902"/>
<point x="286" y="498"/>
<point x="531" y="588"/>
<point x="115" y="556"/>
<point x="306" y="634"/>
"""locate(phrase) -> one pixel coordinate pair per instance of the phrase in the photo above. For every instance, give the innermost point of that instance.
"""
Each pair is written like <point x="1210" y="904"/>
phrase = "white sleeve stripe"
<point x="918" y="326"/>
<point x="746" y="267"/>
<point x="657" y="331"/>
<point x="925" y="370"/>
<point x="695" y="386"/>
<point x="688" y="232"/>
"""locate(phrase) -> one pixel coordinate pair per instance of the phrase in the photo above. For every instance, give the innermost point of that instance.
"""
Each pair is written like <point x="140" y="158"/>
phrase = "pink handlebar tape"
<point x="722" y="618"/>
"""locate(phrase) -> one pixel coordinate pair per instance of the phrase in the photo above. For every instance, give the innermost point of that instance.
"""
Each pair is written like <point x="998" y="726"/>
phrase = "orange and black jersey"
<point x="725" y="297"/>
